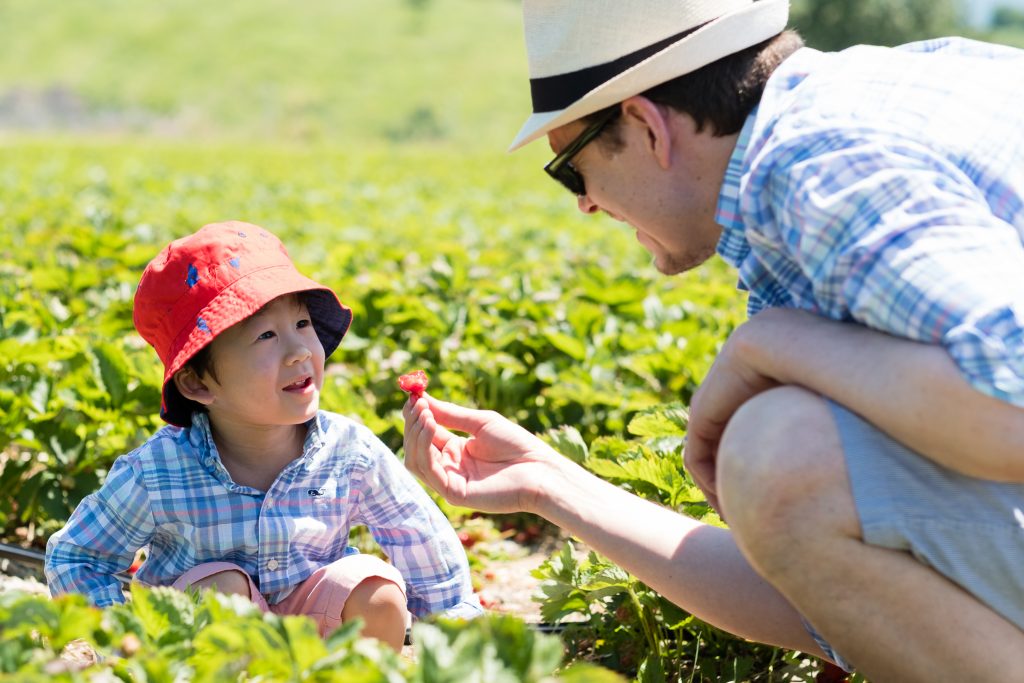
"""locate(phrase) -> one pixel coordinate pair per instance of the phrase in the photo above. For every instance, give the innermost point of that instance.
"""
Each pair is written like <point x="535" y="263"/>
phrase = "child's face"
<point x="269" y="367"/>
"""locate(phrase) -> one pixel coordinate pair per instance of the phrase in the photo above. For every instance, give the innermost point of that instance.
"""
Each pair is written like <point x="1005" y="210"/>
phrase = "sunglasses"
<point x="561" y="169"/>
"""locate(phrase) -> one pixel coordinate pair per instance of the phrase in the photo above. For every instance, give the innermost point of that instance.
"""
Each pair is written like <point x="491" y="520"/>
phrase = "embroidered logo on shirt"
<point x="315" y="493"/>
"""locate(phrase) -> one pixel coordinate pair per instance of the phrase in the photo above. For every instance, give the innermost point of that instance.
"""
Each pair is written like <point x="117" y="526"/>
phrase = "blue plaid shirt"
<point x="886" y="186"/>
<point x="174" y="495"/>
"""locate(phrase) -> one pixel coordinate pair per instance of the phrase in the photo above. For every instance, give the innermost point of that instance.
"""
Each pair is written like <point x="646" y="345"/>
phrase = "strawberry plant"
<point x="164" y="636"/>
<point x="576" y="330"/>
<point x="614" y="619"/>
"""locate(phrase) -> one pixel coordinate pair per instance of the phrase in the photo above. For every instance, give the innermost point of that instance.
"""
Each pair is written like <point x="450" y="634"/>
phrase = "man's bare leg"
<point x="785" y="493"/>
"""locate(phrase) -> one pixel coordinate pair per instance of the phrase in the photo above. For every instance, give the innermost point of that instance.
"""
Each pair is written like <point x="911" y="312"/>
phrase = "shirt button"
<point x="272" y="565"/>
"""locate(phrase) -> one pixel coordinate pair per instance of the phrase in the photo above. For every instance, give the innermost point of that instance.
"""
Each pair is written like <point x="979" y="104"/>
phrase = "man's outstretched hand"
<point x="497" y="467"/>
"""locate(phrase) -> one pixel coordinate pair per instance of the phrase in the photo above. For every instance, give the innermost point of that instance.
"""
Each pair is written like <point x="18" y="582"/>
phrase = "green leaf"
<point x="112" y="371"/>
<point x="668" y="420"/>
<point x="570" y="346"/>
<point x="302" y="640"/>
<point x="651" y="670"/>
<point x="588" y="673"/>
<point x="569" y="442"/>
<point x="166" y="615"/>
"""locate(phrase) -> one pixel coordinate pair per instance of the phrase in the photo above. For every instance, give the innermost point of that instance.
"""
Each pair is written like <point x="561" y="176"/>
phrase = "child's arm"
<point x="101" y="537"/>
<point x="416" y="536"/>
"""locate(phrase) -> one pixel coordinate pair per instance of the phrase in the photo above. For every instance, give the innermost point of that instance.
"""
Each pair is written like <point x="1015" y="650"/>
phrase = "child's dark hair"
<point x="202" y="362"/>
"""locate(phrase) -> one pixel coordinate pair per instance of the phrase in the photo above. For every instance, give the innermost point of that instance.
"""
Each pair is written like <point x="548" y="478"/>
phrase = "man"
<point x="863" y="433"/>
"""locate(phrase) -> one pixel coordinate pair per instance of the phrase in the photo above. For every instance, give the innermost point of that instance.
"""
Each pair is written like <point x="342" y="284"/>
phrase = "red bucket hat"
<point x="202" y="284"/>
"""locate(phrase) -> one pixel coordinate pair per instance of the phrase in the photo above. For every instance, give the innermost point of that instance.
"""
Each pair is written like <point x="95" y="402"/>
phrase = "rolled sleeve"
<point x="415" y="535"/>
<point x="101" y="538"/>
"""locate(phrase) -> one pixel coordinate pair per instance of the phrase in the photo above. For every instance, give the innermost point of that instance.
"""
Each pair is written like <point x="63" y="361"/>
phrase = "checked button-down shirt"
<point x="174" y="495"/>
<point x="886" y="186"/>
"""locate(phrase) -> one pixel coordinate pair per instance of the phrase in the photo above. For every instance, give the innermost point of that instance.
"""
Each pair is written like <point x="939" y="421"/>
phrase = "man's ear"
<point x="656" y="126"/>
<point x="192" y="387"/>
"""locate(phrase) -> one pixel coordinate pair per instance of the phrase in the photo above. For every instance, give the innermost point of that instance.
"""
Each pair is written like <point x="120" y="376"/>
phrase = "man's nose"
<point x="585" y="204"/>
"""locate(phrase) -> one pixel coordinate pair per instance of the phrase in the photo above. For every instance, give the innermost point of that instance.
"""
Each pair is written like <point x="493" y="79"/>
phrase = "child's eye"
<point x="269" y="334"/>
<point x="303" y="323"/>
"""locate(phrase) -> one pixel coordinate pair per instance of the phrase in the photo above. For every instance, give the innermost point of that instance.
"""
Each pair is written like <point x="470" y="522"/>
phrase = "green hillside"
<point x="324" y="71"/>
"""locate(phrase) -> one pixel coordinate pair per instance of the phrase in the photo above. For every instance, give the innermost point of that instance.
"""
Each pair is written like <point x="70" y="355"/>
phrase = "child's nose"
<point x="298" y="350"/>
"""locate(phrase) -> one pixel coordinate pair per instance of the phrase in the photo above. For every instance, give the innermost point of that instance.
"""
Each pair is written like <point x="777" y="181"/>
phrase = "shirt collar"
<point x="732" y="245"/>
<point x="200" y="437"/>
<point x="316" y="436"/>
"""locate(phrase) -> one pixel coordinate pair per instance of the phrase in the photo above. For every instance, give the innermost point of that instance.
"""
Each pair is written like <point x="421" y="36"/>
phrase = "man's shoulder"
<point x="966" y="47"/>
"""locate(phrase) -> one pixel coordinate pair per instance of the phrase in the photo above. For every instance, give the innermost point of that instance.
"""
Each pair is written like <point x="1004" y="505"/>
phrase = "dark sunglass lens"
<point x="573" y="181"/>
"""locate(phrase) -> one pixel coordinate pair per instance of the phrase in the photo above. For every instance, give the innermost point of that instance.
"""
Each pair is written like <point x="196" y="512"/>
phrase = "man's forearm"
<point x="914" y="392"/>
<point x="695" y="565"/>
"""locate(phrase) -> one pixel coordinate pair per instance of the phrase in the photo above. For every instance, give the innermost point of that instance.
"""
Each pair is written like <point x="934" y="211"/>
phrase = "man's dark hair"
<point x="722" y="94"/>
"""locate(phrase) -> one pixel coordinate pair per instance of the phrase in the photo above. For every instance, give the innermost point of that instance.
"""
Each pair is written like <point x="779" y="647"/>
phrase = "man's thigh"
<point x="798" y="464"/>
<point x="969" y="530"/>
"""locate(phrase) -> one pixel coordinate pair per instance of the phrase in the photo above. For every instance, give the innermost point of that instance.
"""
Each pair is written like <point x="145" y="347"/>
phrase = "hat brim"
<point x="719" y="38"/>
<point x="330" y="318"/>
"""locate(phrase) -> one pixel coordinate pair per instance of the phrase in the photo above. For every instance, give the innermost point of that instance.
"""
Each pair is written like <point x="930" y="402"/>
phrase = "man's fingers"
<point x="432" y="452"/>
<point x="455" y="416"/>
<point x="699" y="459"/>
<point x="418" y="414"/>
<point x="418" y="437"/>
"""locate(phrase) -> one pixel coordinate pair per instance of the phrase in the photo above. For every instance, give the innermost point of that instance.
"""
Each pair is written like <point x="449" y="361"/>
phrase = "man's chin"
<point x="672" y="266"/>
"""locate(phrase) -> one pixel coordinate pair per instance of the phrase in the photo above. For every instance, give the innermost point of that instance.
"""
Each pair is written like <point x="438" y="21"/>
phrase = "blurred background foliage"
<point x="370" y="136"/>
<point x="340" y="72"/>
<point x="831" y="25"/>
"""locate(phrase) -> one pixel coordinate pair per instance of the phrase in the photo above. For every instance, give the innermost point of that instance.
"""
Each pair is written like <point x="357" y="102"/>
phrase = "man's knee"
<point x="781" y="467"/>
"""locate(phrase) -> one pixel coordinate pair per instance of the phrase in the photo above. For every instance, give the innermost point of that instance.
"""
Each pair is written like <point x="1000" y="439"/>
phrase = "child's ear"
<point x="192" y="387"/>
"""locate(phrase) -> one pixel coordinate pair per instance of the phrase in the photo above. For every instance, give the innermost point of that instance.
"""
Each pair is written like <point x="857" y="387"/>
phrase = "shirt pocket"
<point x="318" y="517"/>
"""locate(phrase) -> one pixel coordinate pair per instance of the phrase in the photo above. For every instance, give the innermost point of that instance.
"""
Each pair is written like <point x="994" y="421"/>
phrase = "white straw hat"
<point x="586" y="55"/>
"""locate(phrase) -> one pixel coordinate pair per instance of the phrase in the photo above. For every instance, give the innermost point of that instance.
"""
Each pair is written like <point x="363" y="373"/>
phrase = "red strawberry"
<point x="414" y="383"/>
<point x="830" y="673"/>
<point x="466" y="539"/>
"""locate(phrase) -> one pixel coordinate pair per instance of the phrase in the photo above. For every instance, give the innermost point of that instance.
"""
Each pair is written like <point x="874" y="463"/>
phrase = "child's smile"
<point x="301" y="386"/>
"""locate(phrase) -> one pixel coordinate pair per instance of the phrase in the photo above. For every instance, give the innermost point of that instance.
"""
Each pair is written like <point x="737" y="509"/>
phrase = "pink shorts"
<point x="322" y="596"/>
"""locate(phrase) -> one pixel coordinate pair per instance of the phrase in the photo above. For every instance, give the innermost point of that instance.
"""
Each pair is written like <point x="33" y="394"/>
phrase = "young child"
<point x="253" y="489"/>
